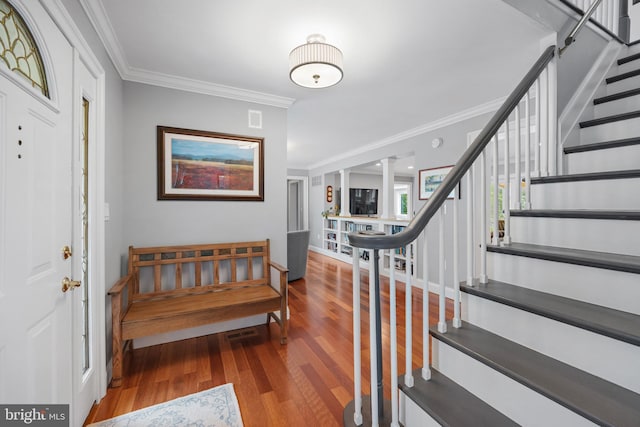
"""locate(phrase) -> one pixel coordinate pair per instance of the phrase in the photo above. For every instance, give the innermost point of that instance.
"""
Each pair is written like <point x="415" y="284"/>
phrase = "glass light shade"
<point x="315" y="64"/>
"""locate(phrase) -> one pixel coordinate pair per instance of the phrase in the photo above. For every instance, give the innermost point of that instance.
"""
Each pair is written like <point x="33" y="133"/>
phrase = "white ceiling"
<point x="407" y="63"/>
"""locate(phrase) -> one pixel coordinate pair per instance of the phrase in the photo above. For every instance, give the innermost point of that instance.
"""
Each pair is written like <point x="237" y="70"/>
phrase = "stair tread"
<point x="612" y="323"/>
<point x="616" y="96"/>
<point x="598" y="400"/>
<point x="628" y="58"/>
<point x="605" y="260"/>
<point x="592" y="176"/>
<point x="602" y="145"/>
<point x="623" y="76"/>
<point x="628" y="215"/>
<point x="610" y="119"/>
<point x="442" y="399"/>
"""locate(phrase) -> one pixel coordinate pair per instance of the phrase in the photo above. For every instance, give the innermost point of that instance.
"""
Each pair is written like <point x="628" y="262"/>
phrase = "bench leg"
<point x="116" y="378"/>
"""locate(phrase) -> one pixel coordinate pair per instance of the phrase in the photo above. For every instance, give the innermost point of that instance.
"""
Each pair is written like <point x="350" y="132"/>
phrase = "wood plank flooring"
<point x="307" y="382"/>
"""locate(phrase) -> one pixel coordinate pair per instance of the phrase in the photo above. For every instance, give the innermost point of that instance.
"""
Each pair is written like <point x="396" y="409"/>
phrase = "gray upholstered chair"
<point x="297" y="248"/>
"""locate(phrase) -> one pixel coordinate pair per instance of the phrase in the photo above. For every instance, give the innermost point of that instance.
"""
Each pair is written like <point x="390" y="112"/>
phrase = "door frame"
<point x="82" y="52"/>
<point x="305" y="198"/>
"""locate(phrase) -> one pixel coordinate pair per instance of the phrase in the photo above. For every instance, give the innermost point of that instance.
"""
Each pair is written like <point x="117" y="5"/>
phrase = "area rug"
<point x="216" y="407"/>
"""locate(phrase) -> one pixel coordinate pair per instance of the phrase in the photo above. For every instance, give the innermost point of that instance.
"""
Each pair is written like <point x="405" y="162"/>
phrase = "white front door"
<point x="35" y="225"/>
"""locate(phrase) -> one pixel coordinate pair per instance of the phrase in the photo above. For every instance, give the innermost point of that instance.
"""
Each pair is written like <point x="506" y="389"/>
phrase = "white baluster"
<point x="517" y="183"/>
<point x="373" y="355"/>
<point x="506" y="207"/>
<point x="456" y="279"/>
<point x="495" y="179"/>
<point x="442" y="324"/>
<point x="483" y="219"/>
<point x="470" y="207"/>
<point x="408" y="374"/>
<point x="538" y="142"/>
<point x="544" y="123"/>
<point x="357" y="368"/>
<point x="553" y="116"/>
<point x="393" y="338"/>
<point x="527" y="154"/>
<point x="426" y="369"/>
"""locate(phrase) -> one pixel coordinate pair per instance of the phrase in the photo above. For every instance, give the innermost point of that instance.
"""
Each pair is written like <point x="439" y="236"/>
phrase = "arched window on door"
<point x="18" y="48"/>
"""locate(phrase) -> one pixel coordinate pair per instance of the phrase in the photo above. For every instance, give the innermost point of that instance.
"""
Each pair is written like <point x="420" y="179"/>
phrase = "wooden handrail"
<point x="424" y="215"/>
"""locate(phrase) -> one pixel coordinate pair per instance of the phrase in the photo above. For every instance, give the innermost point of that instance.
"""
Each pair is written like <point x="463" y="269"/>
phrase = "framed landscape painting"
<point x="201" y="165"/>
<point x="430" y="179"/>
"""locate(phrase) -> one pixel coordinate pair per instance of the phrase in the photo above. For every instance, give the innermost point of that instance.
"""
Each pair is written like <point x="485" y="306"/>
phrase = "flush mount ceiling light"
<point x="315" y="64"/>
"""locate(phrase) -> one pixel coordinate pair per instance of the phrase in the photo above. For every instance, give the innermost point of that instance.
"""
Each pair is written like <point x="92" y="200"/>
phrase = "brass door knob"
<point x="69" y="284"/>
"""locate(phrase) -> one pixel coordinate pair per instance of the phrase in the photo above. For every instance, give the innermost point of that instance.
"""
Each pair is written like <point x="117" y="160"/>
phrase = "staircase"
<point x="553" y="338"/>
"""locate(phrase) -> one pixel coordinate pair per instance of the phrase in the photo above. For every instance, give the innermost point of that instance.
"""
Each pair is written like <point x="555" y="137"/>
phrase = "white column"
<point x="344" y="192"/>
<point x="388" y="179"/>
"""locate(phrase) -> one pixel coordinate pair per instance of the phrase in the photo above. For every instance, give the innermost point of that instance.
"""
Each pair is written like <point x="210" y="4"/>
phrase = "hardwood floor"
<point x="307" y="382"/>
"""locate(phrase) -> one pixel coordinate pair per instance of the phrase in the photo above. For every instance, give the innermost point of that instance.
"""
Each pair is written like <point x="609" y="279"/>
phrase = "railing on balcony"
<point x="611" y="15"/>
<point x="519" y="142"/>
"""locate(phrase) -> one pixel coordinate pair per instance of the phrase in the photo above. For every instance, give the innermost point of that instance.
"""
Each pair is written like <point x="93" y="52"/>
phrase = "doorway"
<point x="297" y="203"/>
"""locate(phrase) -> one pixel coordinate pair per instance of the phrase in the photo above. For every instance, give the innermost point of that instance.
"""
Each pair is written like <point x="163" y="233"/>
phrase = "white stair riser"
<point x="619" y="106"/>
<point x="577" y="233"/>
<point x="413" y="415"/>
<point x="520" y="403"/>
<point x="608" y="288"/>
<point x="577" y="347"/>
<point x="621" y="158"/>
<point x="626" y="67"/>
<point x="634" y="48"/>
<point x="622" y="85"/>
<point x="610" y="131"/>
<point x="612" y="194"/>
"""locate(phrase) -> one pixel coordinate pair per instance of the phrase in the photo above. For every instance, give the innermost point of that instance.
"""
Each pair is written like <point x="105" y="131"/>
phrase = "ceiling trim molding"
<point x="206" y="88"/>
<point x="478" y="110"/>
<point x="100" y="21"/>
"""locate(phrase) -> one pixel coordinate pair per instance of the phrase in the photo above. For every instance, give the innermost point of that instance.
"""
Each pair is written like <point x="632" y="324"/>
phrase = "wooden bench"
<point x="169" y="288"/>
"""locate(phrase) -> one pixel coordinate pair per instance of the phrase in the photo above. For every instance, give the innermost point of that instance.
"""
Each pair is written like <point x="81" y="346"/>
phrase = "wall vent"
<point x="316" y="180"/>
<point x="255" y="119"/>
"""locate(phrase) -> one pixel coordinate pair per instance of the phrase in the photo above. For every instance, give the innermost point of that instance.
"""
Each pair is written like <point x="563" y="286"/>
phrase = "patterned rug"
<point x="216" y="407"/>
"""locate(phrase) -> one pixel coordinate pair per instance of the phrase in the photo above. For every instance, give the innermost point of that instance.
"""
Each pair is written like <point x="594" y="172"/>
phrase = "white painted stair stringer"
<point x="516" y="401"/>
<point x="597" y="354"/>
<point x="613" y="194"/>
<point x="607" y="288"/>
<point x="611" y="159"/>
<point x="578" y="233"/>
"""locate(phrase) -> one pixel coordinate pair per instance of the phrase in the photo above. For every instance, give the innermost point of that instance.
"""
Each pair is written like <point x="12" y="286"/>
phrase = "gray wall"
<point x="150" y="222"/>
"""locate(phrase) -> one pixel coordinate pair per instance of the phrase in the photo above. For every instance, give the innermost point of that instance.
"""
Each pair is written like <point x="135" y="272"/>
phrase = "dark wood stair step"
<point x="616" y="96"/>
<point x="592" y="176"/>
<point x="605" y="145"/>
<point x="605" y="321"/>
<point x="578" y="214"/>
<point x="610" y="119"/>
<point x="598" y="400"/>
<point x="450" y="404"/>
<point x="604" y="260"/>
<point x="628" y="58"/>
<point x="623" y="76"/>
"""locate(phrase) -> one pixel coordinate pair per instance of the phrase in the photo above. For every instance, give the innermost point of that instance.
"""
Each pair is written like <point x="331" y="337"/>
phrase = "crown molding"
<point x="478" y="110"/>
<point x="206" y="88"/>
<point x="98" y="17"/>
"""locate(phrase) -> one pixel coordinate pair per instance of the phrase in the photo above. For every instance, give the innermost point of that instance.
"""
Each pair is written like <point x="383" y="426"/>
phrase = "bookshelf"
<point x="335" y="243"/>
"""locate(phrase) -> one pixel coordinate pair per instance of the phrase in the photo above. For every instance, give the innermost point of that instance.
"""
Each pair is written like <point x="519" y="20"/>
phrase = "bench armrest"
<point x="120" y="285"/>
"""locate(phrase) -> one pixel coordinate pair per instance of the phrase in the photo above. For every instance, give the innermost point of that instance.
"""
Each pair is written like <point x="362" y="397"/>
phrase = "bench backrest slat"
<point x="196" y="268"/>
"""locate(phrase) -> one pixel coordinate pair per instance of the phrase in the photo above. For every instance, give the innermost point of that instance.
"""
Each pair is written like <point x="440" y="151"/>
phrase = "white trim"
<point x="478" y="110"/>
<point x="65" y="23"/>
<point x="305" y="198"/>
<point x="199" y="86"/>
<point x="100" y="21"/>
<point x="583" y="95"/>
